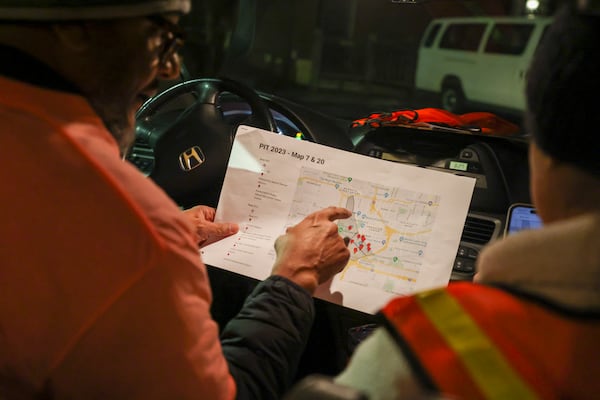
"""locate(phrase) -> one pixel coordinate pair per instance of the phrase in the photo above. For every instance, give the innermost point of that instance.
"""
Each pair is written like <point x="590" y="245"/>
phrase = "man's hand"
<point x="313" y="251"/>
<point x="208" y="231"/>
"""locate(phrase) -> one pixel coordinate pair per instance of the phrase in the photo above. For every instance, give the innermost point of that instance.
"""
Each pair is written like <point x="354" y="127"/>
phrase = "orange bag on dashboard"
<point x="441" y="120"/>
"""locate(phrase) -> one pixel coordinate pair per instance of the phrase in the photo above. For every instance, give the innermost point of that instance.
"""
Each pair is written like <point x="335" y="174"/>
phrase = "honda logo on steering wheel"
<point x="191" y="158"/>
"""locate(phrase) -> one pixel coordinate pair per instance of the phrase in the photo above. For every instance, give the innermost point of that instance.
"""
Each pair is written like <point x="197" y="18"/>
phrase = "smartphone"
<point x="520" y="217"/>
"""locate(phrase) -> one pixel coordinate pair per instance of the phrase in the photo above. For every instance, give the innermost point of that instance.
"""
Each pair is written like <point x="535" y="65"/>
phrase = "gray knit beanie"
<point x="64" y="10"/>
<point x="563" y="88"/>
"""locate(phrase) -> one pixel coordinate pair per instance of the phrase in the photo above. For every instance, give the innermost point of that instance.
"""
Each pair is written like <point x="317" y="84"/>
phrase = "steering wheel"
<point x="192" y="144"/>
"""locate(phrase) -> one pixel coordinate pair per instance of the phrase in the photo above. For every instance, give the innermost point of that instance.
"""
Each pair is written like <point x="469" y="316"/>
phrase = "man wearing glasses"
<point x="103" y="294"/>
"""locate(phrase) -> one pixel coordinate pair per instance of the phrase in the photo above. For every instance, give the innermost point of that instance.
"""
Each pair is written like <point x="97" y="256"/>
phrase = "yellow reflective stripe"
<point x="486" y="364"/>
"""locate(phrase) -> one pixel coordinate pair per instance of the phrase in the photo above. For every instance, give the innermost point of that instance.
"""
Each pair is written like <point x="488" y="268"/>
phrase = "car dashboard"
<point x="498" y="164"/>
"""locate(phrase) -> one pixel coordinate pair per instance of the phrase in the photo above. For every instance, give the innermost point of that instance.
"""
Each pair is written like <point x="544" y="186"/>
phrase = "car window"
<point x="464" y="37"/>
<point x="431" y="35"/>
<point x="509" y="38"/>
<point x="349" y="58"/>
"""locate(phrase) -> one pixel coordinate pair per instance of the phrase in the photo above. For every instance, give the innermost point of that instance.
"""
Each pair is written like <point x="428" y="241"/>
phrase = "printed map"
<point x="389" y="229"/>
<point x="403" y="234"/>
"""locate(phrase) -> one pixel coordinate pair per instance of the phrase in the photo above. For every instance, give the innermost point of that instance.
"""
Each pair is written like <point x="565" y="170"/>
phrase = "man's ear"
<point x="543" y="160"/>
<point x="74" y="35"/>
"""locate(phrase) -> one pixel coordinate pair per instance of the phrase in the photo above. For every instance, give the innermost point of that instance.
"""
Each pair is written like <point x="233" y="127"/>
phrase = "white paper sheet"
<point x="405" y="228"/>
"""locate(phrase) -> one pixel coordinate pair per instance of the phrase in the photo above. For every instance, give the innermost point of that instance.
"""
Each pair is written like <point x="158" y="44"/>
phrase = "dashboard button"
<point x="473" y="253"/>
<point x="474" y="168"/>
<point x="464" y="265"/>
<point x="467" y="252"/>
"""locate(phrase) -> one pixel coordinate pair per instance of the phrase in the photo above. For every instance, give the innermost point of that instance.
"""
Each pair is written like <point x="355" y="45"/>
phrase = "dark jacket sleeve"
<point x="264" y="342"/>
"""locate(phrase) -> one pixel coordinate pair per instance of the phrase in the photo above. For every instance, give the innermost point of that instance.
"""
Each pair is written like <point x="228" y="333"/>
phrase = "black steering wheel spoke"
<point x="191" y="143"/>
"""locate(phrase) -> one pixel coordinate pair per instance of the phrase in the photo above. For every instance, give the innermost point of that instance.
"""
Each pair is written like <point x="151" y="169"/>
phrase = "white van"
<point x="479" y="60"/>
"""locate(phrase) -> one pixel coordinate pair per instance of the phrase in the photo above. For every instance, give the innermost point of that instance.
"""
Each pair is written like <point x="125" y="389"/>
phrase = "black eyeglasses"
<point x="173" y="37"/>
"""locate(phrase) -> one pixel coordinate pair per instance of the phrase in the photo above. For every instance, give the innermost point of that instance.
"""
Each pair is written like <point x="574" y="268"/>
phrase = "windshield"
<point x="350" y="58"/>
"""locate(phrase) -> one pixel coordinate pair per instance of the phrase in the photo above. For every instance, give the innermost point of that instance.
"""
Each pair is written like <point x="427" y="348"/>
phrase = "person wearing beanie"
<point x="103" y="292"/>
<point x="528" y="326"/>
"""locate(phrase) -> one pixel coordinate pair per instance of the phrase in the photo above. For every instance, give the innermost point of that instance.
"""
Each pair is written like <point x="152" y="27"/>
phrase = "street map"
<point x="388" y="231"/>
<point x="403" y="233"/>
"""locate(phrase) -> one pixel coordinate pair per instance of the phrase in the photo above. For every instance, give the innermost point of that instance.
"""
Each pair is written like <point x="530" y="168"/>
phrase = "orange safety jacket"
<point x="473" y="341"/>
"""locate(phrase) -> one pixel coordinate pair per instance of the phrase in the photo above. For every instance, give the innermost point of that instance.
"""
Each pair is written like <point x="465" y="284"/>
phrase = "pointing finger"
<point x="333" y="213"/>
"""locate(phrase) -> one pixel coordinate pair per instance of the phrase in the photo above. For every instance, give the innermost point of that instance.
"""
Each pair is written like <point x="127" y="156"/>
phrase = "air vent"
<point x="142" y="156"/>
<point x="478" y="230"/>
<point x="141" y="146"/>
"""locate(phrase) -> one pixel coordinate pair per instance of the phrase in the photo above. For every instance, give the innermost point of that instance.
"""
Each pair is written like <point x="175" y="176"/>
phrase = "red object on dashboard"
<point x="438" y="119"/>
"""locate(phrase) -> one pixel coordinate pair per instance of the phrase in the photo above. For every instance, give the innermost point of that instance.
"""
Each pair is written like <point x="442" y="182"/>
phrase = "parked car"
<point x="478" y="59"/>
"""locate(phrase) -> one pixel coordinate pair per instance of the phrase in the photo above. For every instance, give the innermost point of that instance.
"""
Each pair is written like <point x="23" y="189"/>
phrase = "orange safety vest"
<point x="473" y="341"/>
